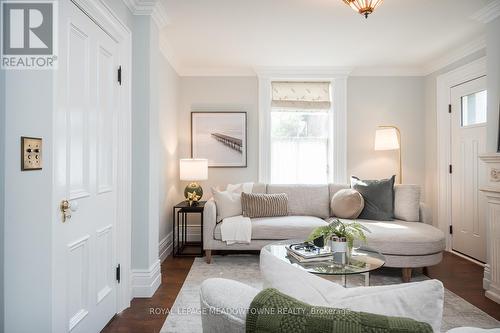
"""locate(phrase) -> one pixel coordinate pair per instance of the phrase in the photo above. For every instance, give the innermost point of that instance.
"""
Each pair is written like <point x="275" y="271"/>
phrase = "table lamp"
<point x="193" y="170"/>
<point x="389" y="138"/>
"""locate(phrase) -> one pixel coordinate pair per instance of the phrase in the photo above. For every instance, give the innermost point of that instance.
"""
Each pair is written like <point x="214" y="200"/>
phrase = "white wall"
<point x="493" y="82"/>
<point x="154" y="146"/>
<point x="168" y="155"/>
<point x="220" y="94"/>
<point x="28" y="204"/>
<point x="373" y="101"/>
<point x="2" y="193"/>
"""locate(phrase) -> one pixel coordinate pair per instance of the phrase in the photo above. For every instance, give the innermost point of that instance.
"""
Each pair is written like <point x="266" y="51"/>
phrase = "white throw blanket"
<point x="236" y="229"/>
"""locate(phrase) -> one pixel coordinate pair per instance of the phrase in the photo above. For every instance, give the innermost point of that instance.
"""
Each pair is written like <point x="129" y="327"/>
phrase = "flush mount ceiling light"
<point x="364" y="7"/>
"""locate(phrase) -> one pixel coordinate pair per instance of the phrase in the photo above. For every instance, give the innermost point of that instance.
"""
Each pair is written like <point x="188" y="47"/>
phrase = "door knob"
<point x="66" y="209"/>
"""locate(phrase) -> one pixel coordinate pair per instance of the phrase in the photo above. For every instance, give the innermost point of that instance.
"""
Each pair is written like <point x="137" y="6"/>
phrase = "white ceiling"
<point x="206" y="37"/>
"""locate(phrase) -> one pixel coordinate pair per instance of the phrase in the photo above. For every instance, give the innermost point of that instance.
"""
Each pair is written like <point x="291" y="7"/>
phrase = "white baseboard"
<point x="146" y="282"/>
<point x="165" y="247"/>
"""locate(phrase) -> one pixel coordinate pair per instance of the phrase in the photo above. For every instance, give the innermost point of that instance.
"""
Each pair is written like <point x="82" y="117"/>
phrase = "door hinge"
<point x="451" y="230"/>
<point x="450" y="169"/>
<point x="120" y="75"/>
<point x="449" y="108"/>
<point x="118" y="273"/>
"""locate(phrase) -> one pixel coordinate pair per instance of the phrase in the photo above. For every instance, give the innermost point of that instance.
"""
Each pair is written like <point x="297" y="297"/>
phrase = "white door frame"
<point x="103" y="16"/>
<point x="444" y="83"/>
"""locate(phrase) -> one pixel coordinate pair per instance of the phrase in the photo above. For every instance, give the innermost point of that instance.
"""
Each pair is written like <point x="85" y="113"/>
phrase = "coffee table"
<point x="363" y="261"/>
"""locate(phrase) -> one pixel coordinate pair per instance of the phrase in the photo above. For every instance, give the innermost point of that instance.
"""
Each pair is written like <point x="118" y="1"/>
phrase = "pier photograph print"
<point x="220" y="137"/>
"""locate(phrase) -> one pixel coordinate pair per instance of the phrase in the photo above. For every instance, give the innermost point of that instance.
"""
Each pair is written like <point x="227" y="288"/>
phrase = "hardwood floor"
<point x="459" y="275"/>
<point x="138" y="318"/>
<point x="465" y="279"/>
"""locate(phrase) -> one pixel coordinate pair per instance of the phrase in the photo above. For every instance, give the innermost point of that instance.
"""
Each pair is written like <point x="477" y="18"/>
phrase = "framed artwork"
<point x="220" y="137"/>
<point x="498" y="143"/>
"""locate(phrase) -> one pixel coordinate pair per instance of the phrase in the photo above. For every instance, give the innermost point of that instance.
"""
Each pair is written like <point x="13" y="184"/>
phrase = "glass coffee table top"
<point x="363" y="260"/>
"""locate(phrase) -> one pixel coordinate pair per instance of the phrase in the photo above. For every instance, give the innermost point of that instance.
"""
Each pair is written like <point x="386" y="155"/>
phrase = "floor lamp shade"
<point x="389" y="138"/>
<point x="386" y="139"/>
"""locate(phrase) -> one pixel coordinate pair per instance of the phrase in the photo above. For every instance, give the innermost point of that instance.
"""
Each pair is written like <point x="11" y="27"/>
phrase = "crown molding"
<point x="274" y="72"/>
<point x="387" y="71"/>
<point x="455" y="55"/>
<point x="214" y="71"/>
<point x="303" y="72"/>
<point x="488" y="13"/>
<point x="154" y="8"/>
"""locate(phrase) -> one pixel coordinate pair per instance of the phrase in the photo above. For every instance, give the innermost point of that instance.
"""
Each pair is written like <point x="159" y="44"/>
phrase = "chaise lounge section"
<point x="405" y="244"/>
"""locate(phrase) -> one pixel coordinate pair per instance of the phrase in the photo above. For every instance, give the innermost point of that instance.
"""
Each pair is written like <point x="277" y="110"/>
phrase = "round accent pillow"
<point x="347" y="204"/>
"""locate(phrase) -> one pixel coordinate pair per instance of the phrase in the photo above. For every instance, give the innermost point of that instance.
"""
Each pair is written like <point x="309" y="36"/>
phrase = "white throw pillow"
<point x="228" y="202"/>
<point x="245" y="187"/>
<point x="407" y="202"/>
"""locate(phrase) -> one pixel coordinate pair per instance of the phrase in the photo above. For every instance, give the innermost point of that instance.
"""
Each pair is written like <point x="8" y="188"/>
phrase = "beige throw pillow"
<point x="264" y="205"/>
<point x="347" y="204"/>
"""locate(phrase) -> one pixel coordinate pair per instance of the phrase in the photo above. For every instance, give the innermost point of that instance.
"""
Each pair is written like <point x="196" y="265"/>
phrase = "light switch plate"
<point x="31" y="153"/>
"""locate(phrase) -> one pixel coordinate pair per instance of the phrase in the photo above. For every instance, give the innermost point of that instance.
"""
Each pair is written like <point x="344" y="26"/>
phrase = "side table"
<point x="180" y="218"/>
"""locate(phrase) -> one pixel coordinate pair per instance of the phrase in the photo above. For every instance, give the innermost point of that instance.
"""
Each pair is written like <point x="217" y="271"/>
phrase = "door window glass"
<point x="474" y="108"/>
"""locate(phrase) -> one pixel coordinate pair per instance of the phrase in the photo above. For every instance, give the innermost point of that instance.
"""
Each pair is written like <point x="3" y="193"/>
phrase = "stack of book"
<point x="306" y="252"/>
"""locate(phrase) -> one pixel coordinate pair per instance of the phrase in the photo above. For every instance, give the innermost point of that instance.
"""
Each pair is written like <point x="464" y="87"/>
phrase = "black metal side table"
<point x="180" y="218"/>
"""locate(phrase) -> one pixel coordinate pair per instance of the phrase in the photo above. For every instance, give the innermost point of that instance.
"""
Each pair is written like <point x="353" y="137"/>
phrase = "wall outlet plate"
<point x="31" y="153"/>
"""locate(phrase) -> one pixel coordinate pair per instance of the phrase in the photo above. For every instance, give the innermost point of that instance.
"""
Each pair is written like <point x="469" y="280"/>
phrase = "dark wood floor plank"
<point x="138" y="318"/>
<point x="458" y="275"/>
<point x="465" y="279"/>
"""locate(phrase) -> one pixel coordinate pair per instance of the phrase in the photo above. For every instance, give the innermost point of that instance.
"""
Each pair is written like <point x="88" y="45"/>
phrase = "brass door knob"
<point x="65" y="208"/>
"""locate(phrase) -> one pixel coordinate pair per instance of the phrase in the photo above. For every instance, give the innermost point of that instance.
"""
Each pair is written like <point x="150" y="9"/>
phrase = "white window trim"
<point x="338" y="80"/>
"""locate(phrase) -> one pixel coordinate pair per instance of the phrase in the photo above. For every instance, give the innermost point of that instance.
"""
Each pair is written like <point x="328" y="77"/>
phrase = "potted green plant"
<point x="341" y="235"/>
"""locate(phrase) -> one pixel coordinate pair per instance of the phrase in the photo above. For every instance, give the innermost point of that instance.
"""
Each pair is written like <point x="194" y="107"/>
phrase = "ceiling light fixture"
<point x="364" y="7"/>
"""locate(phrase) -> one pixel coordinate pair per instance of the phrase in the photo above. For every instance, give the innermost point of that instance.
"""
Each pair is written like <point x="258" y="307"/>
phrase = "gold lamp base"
<point x="193" y="193"/>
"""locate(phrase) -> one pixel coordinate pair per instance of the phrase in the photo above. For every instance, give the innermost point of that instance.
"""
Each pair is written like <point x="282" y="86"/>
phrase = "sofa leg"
<point x="406" y="274"/>
<point x="208" y="256"/>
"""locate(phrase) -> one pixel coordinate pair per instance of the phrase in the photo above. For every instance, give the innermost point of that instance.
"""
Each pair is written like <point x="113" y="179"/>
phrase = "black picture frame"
<point x="233" y="145"/>
<point x="498" y="142"/>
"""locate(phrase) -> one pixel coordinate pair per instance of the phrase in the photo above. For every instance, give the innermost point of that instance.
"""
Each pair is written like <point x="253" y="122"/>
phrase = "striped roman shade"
<point x="264" y="205"/>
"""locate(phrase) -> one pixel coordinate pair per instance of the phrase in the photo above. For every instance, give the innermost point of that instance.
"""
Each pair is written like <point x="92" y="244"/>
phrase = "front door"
<point x="85" y="155"/>
<point x="468" y="141"/>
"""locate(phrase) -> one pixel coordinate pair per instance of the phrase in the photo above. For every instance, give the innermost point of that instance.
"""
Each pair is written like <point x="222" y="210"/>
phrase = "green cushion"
<point x="378" y="196"/>
<point x="273" y="312"/>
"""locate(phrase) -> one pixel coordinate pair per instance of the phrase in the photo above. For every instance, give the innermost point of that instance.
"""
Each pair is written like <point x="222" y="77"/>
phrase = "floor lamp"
<point x="389" y="138"/>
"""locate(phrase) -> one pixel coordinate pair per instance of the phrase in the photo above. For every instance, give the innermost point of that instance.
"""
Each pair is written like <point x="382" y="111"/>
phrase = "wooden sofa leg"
<point x="208" y="256"/>
<point x="406" y="274"/>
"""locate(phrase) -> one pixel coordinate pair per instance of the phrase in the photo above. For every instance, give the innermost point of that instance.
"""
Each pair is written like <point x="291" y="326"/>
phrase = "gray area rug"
<point x="184" y="316"/>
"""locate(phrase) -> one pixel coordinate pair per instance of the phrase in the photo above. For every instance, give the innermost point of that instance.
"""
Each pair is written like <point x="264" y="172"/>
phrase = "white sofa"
<point x="405" y="244"/>
<point x="225" y="303"/>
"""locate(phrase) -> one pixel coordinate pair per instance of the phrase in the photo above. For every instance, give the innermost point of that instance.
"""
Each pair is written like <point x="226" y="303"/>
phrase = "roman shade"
<point x="301" y="95"/>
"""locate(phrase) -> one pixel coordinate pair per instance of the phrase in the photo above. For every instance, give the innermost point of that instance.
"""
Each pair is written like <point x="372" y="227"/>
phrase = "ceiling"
<point x="237" y="36"/>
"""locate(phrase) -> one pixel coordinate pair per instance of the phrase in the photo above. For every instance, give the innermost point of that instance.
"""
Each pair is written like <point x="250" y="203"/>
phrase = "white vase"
<point x="339" y="248"/>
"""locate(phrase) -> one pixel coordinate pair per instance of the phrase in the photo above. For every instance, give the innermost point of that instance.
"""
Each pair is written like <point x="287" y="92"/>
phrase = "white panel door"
<point x="85" y="157"/>
<point x="468" y="141"/>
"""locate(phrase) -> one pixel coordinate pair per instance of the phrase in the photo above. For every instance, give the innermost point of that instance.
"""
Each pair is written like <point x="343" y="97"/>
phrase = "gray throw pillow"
<point x="378" y="196"/>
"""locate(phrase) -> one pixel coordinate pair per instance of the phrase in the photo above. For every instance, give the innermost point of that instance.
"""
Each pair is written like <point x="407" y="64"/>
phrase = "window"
<point x="301" y="133"/>
<point x="474" y="108"/>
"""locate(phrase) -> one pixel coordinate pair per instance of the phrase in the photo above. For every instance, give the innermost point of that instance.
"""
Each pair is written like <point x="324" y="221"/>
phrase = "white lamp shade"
<point x="386" y="139"/>
<point x="193" y="169"/>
